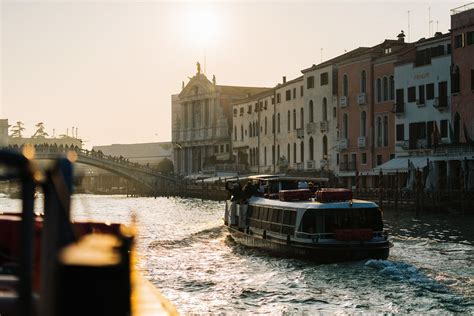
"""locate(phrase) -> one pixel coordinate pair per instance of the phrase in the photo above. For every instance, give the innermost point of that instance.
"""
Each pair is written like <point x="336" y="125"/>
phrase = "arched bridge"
<point x="154" y="181"/>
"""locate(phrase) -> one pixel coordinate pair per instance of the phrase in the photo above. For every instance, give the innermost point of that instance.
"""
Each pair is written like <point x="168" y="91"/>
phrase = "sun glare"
<point x="201" y="26"/>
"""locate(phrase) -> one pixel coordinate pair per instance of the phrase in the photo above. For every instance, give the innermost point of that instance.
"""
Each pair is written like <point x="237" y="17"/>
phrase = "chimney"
<point x="284" y="79"/>
<point x="401" y="37"/>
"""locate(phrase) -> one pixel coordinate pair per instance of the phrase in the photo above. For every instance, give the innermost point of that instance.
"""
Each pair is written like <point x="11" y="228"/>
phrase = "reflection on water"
<point x="187" y="253"/>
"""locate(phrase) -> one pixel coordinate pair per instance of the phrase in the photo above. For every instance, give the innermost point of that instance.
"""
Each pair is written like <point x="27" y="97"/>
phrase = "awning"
<point x="401" y="164"/>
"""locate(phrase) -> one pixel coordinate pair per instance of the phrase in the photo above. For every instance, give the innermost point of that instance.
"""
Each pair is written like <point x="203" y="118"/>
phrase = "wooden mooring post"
<point x="396" y="190"/>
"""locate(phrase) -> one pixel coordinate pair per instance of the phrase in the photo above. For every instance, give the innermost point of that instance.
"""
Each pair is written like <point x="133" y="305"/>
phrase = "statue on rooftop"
<point x="198" y="68"/>
<point x="214" y="79"/>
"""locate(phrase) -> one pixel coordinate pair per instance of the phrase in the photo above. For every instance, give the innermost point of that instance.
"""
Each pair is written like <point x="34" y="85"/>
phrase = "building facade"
<point x="462" y="72"/>
<point x="422" y="81"/>
<point x="202" y="123"/>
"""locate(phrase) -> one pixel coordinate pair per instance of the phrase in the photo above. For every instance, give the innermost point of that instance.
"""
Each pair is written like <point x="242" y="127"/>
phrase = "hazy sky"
<point x="110" y="67"/>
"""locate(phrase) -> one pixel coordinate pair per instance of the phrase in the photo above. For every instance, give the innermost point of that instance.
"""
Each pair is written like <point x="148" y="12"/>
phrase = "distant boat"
<point x="325" y="225"/>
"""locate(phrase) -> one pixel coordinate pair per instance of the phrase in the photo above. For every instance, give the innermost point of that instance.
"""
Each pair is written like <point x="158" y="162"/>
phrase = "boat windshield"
<point x="328" y="220"/>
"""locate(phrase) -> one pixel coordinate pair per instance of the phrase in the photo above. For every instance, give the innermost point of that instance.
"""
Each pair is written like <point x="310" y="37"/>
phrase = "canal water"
<point x="185" y="251"/>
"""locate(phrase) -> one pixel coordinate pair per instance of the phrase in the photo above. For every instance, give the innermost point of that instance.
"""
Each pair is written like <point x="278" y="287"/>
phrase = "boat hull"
<point x="318" y="252"/>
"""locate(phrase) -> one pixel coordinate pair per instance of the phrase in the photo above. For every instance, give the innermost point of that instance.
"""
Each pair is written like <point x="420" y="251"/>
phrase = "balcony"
<point x="311" y="128"/>
<point x="403" y="144"/>
<point x="361" y="99"/>
<point x="323" y="125"/>
<point x="361" y="142"/>
<point x="420" y="103"/>
<point x="398" y="108"/>
<point x="300" y="133"/>
<point x="343" y="102"/>
<point x="310" y="164"/>
<point x="343" y="143"/>
<point x="300" y="166"/>
<point x="441" y="103"/>
<point x="421" y="143"/>
<point x="347" y="166"/>
<point x="323" y="163"/>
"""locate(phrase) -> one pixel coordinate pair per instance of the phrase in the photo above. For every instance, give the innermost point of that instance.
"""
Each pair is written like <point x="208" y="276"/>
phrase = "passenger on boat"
<point x="249" y="190"/>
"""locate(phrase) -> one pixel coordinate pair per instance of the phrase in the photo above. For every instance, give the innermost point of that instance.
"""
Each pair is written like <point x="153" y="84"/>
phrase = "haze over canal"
<point x="186" y="252"/>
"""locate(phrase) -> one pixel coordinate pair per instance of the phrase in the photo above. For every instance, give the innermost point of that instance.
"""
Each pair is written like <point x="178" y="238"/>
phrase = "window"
<point x="345" y="126"/>
<point x="235" y="132"/>
<point x="325" y="109"/>
<point x="325" y="147"/>
<point x="302" y="118"/>
<point x="249" y="109"/>
<point x="364" y="158"/>
<point x="459" y="41"/>
<point x="288" y="95"/>
<point x="310" y="82"/>
<point x="294" y="152"/>
<point x="294" y="118"/>
<point x="265" y="125"/>
<point x="278" y="154"/>
<point x="379" y="160"/>
<point x="241" y="132"/>
<point x="345" y="86"/>
<point x="472" y="79"/>
<point x="324" y="78"/>
<point x="273" y="154"/>
<point x="302" y="152"/>
<point x="392" y="88"/>
<point x="273" y="100"/>
<point x="363" y="82"/>
<point x="311" y="111"/>
<point x="278" y="123"/>
<point x="455" y="80"/>
<point x="379" y="131"/>
<point x="379" y="90"/>
<point x="288" y="153"/>
<point x="265" y="155"/>
<point x="311" y="148"/>
<point x="385" y="88"/>
<point x="430" y="91"/>
<point x="421" y="94"/>
<point x="294" y="93"/>
<point x="334" y="112"/>
<point x="250" y="130"/>
<point x="385" y="131"/>
<point x="278" y="98"/>
<point x="301" y="90"/>
<point x="443" y="128"/>
<point x="400" y="132"/>
<point x="363" y="123"/>
<point x="289" y="120"/>
<point x="265" y="105"/>
<point x="235" y="112"/>
<point x="412" y="94"/>
<point x="273" y="123"/>
<point x="470" y="38"/>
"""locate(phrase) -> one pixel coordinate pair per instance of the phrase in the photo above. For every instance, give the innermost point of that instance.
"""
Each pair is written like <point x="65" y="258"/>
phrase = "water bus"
<point x="295" y="217"/>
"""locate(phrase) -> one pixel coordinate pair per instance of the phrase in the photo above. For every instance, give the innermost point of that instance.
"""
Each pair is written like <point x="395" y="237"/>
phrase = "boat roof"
<point x="350" y="204"/>
<point x="276" y="177"/>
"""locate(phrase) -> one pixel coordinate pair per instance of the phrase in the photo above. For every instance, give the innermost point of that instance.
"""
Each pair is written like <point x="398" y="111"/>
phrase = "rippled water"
<point x="186" y="252"/>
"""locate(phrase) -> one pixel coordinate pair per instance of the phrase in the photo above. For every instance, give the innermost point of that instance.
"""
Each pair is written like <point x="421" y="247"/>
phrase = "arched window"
<point x="273" y="123"/>
<point x="257" y="156"/>
<point x="251" y="156"/>
<point x="385" y="131"/>
<point x="294" y="118"/>
<point x="278" y="154"/>
<point x="241" y="132"/>
<point x="288" y="153"/>
<point x="325" y="109"/>
<point x="363" y="123"/>
<point x="345" y="125"/>
<point x="392" y="88"/>
<point x="294" y="152"/>
<point x="311" y="148"/>
<point x="311" y="111"/>
<point x="289" y="120"/>
<point x="278" y="123"/>
<point x="385" y="88"/>
<point x="250" y="129"/>
<point x="265" y="155"/>
<point x="265" y="125"/>
<point x="345" y="86"/>
<point x="363" y="82"/>
<point x="379" y="90"/>
<point x="379" y="131"/>
<point x="302" y="118"/>
<point x="325" y="147"/>
<point x="235" y="132"/>
<point x="302" y="151"/>
<point x="457" y="127"/>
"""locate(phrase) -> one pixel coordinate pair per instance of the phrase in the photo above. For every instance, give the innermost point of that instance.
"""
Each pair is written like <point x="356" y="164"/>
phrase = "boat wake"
<point x="214" y="233"/>
<point x="404" y="272"/>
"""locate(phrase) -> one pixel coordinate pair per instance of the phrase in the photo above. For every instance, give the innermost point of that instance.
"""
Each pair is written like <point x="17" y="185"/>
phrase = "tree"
<point x="17" y="130"/>
<point x="165" y="166"/>
<point x="40" y="132"/>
